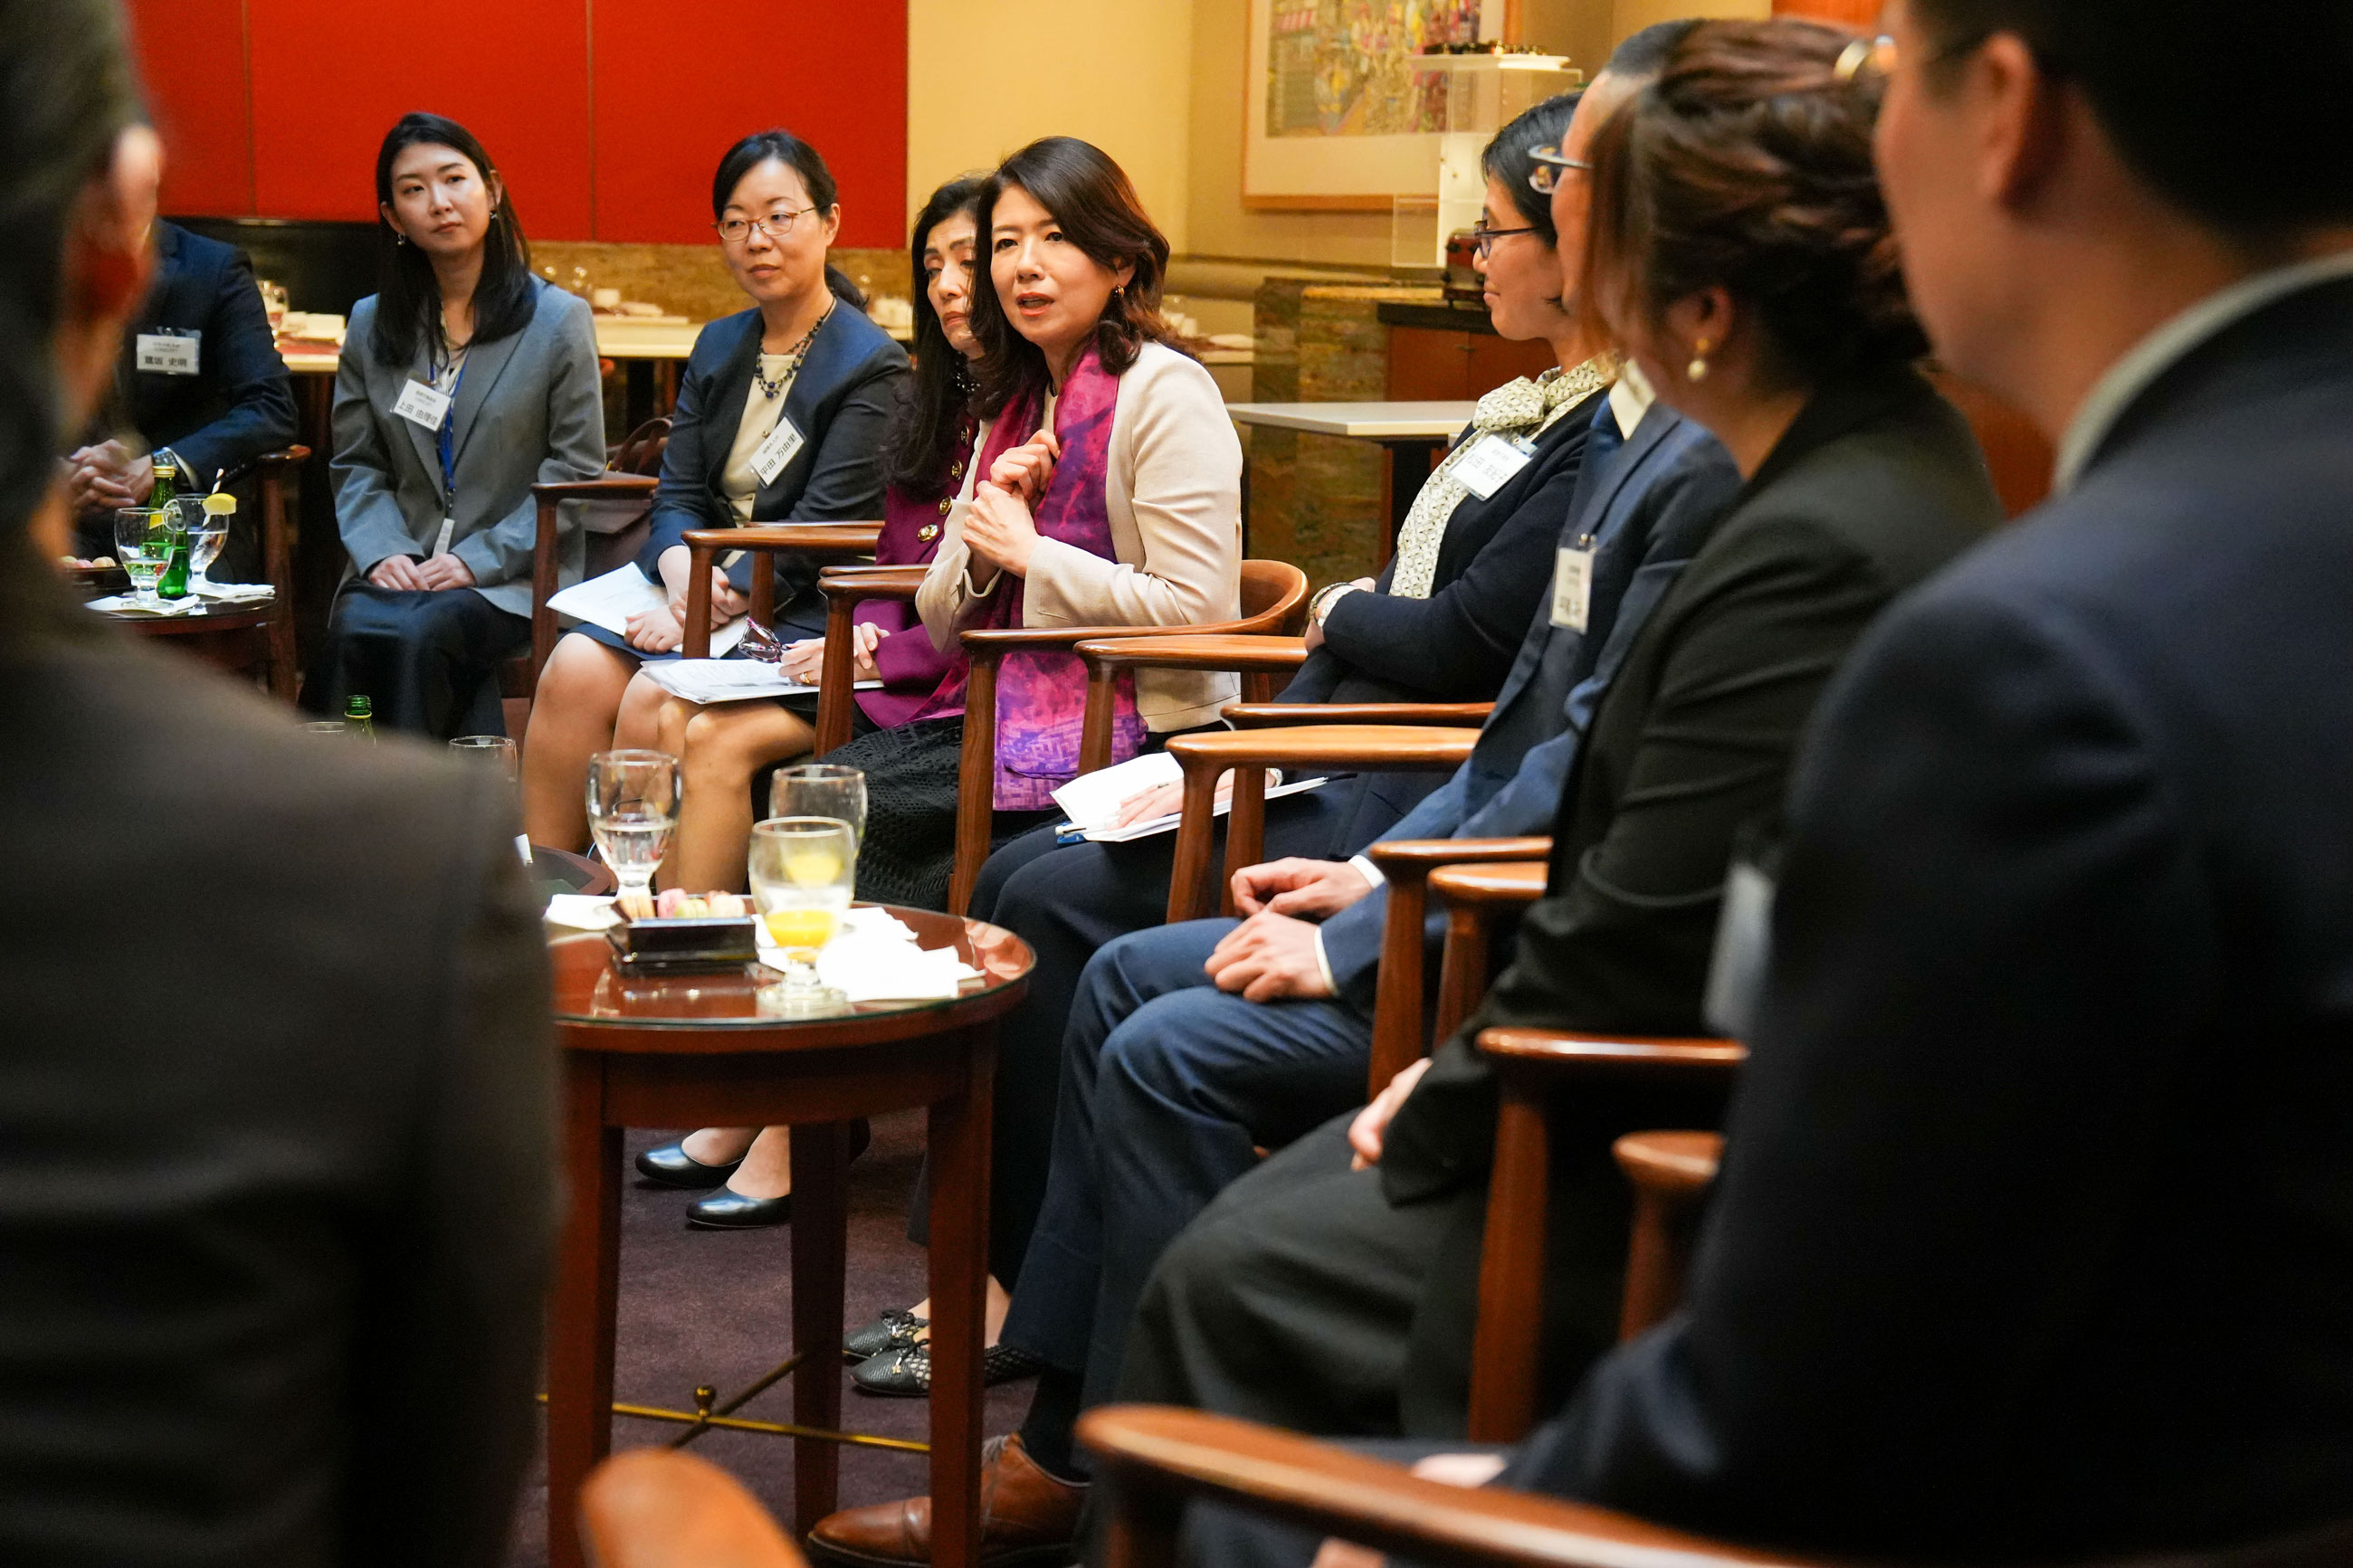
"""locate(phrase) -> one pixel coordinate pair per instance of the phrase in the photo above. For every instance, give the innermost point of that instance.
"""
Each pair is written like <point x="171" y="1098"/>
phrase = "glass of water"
<point x="632" y="810"/>
<point x="821" y="789"/>
<point x="801" y="871"/>
<point x="143" y="542"/>
<point x="207" y="531"/>
<point x="496" y="752"/>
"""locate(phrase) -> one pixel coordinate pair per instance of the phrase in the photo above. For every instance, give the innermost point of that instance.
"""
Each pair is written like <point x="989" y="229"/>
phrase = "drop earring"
<point x="1697" y="371"/>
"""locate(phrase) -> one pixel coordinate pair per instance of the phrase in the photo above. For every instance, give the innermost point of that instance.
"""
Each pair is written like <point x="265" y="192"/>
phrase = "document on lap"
<point x="1093" y="799"/>
<point x="609" y="601"/>
<point x="709" y="680"/>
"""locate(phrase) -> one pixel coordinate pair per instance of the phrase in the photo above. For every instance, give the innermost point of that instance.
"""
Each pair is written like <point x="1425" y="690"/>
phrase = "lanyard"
<point x="445" y="441"/>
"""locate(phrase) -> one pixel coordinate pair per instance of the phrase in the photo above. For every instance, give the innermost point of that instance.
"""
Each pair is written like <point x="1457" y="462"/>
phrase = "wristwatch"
<point x="1320" y="606"/>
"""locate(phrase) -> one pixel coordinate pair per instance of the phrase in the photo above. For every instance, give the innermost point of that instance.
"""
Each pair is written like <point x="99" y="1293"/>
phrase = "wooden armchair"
<point x="612" y="509"/>
<point x="281" y="482"/>
<point x="1399" y="1036"/>
<point x="1273" y="599"/>
<point x="1155" y="1458"/>
<point x="820" y="541"/>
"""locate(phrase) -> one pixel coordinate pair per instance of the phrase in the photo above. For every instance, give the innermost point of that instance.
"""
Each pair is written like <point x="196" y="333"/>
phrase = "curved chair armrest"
<point x="1552" y="1056"/>
<point x="848" y="541"/>
<point x="1491" y="885"/>
<point x="1271" y="715"/>
<point x="1239" y="654"/>
<point x="605" y="486"/>
<point x="1158" y="1457"/>
<point x="1400" y="1026"/>
<point x="1476" y="899"/>
<point x="1419" y="857"/>
<point x="652" y="1508"/>
<point x="845" y="588"/>
<point x="289" y="456"/>
<point x="1393" y="748"/>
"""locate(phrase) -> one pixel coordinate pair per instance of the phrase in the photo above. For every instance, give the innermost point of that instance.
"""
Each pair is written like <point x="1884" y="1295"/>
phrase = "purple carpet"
<point x="711" y="1306"/>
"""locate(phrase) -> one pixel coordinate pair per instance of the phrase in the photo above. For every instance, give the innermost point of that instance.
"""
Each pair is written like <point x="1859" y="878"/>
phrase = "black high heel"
<point x="727" y="1209"/>
<point x="672" y="1166"/>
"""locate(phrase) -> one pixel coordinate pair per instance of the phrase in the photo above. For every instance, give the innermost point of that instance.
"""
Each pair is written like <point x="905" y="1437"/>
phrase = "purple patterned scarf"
<point x="1041" y="697"/>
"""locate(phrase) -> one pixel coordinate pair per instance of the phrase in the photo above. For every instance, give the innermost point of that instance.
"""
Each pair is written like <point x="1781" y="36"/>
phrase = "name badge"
<point x="449" y="528"/>
<point x="776" y="451"/>
<point x="168" y="354"/>
<point x="420" y="405"/>
<point x="1572" y="587"/>
<point x="1492" y="462"/>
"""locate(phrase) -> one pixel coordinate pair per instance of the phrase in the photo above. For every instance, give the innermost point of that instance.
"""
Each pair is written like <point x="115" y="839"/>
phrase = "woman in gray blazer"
<point x="464" y="382"/>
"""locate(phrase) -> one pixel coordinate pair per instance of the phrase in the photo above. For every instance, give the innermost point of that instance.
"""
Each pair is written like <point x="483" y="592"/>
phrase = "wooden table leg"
<point x="820" y="1243"/>
<point x="959" y="1145"/>
<point x="1409" y="464"/>
<point x="582" y="1314"/>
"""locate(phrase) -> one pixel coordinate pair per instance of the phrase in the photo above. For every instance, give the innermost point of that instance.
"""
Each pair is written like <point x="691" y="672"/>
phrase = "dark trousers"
<point x="426" y="661"/>
<point x="1067" y="902"/>
<point x="1168" y="1085"/>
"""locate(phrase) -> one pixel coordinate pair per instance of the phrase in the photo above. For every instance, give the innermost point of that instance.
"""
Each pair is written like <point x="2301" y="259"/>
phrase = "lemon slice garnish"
<point x="220" y="503"/>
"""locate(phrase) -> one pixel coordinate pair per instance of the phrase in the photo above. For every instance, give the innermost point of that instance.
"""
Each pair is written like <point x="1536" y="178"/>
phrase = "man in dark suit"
<point x="199" y="377"/>
<point x="2035" y="1239"/>
<point x="276" y="1100"/>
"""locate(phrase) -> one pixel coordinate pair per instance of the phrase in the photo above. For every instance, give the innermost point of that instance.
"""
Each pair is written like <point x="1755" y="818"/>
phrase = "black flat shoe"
<point x="907" y="1373"/>
<point x="672" y="1166"/>
<point x="890" y="1332"/>
<point x="729" y="1210"/>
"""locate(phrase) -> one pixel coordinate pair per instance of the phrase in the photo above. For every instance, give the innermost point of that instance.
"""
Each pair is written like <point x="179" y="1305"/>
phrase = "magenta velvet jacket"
<point x="912" y="670"/>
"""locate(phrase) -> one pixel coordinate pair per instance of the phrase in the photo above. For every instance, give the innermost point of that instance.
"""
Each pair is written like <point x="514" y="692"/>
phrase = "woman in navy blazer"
<point x="780" y="417"/>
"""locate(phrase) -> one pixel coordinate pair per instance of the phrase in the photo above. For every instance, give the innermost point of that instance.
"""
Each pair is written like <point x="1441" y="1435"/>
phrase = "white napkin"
<point x="873" y="958"/>
<point x="582" y="911"/>
<point x="234" y="591"/>
<point x="118" y="604"/>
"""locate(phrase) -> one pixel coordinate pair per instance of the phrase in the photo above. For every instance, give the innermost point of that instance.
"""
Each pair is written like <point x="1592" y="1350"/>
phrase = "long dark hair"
<point x="817" y="179"/>
<point x="1097" y="208"/>
<point x="408" y="297"/>
<point x="940" y="393"/>
<point x="1748" y="163"/>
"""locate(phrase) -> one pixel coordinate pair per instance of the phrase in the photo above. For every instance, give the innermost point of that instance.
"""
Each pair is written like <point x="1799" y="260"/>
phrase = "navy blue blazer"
<point x="840" y="401"/>
<point x="2036" y="1235"/>
<point x="1649" y="507"/>
<point x="240" y="402"/>
<point x="1494" y="565"/>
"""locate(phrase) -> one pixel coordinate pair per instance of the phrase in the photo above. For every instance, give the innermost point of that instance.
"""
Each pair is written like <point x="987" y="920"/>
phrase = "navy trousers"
<point x="1068" y="902"/>
<point x="1168" y="1089"/>
<point x="426" y="661"/>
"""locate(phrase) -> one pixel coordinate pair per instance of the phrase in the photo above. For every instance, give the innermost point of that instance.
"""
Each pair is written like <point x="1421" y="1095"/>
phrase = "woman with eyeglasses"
<point x="780" y="418"/>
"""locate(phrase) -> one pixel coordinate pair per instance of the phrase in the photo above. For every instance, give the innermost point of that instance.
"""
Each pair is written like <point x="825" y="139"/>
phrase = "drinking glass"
<point x="821" y="789"/>
<point x="632" y="810"/>
<point x="207" y="531"/>
<point x="498" y="751"/>
<point x="802" y="870"/>
<point x="326" y="729"/>
<point x="273" y="304"/>
<point x="143" y="542"/>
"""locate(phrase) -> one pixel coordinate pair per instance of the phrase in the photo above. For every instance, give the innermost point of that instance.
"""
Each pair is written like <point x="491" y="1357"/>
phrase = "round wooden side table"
<point x="692" y="1050"/>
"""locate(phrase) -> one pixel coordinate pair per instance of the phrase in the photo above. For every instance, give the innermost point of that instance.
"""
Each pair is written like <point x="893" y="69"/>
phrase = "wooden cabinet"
<point x="1432" y="359"/>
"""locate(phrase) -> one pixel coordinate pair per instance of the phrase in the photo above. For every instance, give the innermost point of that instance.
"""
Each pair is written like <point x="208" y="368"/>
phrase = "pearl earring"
<point x="1697" y="370"/>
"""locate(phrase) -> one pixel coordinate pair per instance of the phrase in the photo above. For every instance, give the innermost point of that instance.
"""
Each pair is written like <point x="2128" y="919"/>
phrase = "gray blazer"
<point x="530" y="410"/>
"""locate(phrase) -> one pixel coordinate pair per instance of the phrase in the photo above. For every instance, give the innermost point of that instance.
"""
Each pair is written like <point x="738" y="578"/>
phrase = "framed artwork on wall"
<point x="1334" y="113"/>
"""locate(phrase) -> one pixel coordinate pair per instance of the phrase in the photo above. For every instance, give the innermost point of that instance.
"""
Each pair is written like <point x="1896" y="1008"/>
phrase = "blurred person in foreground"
<point x="277" y="1017"/>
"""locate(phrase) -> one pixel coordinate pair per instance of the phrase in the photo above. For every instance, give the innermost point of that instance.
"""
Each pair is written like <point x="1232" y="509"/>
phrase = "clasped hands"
<point x="998" y="528"/>
<point x="431" y="574"/>
<point x="107" y="476"/>
<point x="1271" y="954"/>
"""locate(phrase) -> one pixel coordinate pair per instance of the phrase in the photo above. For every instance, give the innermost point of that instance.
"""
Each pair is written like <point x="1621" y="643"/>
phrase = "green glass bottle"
<point x="174" y="583"/>
<point x="359" y="720"/>
<point x="167" y="483"/>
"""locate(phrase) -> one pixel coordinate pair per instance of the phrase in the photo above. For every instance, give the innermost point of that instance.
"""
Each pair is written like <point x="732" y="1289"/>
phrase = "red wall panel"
<point x="274" y="108"/>
<point x="191" y="55"/>
<point x="329" y="81"/>
<point x="679" y="80"/>
<point x="1861" y="15"/>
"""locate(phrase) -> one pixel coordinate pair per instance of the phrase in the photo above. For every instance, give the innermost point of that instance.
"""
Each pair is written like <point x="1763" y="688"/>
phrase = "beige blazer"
<point x="1173" y="497"/>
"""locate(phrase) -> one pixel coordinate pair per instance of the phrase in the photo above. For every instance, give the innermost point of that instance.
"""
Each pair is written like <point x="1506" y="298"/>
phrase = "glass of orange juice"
<point x="802" y="870"/>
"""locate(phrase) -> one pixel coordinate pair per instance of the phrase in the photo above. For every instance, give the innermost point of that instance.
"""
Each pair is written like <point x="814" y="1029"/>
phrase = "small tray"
<point x="709" y="945"/>
<point x="97" y="581"/>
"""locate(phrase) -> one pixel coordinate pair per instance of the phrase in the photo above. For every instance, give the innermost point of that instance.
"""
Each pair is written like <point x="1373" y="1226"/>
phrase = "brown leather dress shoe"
<point x="1026" y="1516"/>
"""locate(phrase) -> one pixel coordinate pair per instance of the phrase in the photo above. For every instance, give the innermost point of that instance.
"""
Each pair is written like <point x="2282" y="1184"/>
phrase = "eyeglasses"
<point x="1484" y="237"/>
<point x="1878" y="53"/>
<point x="775" y="225"/>
<point x="1545" y="178"/>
